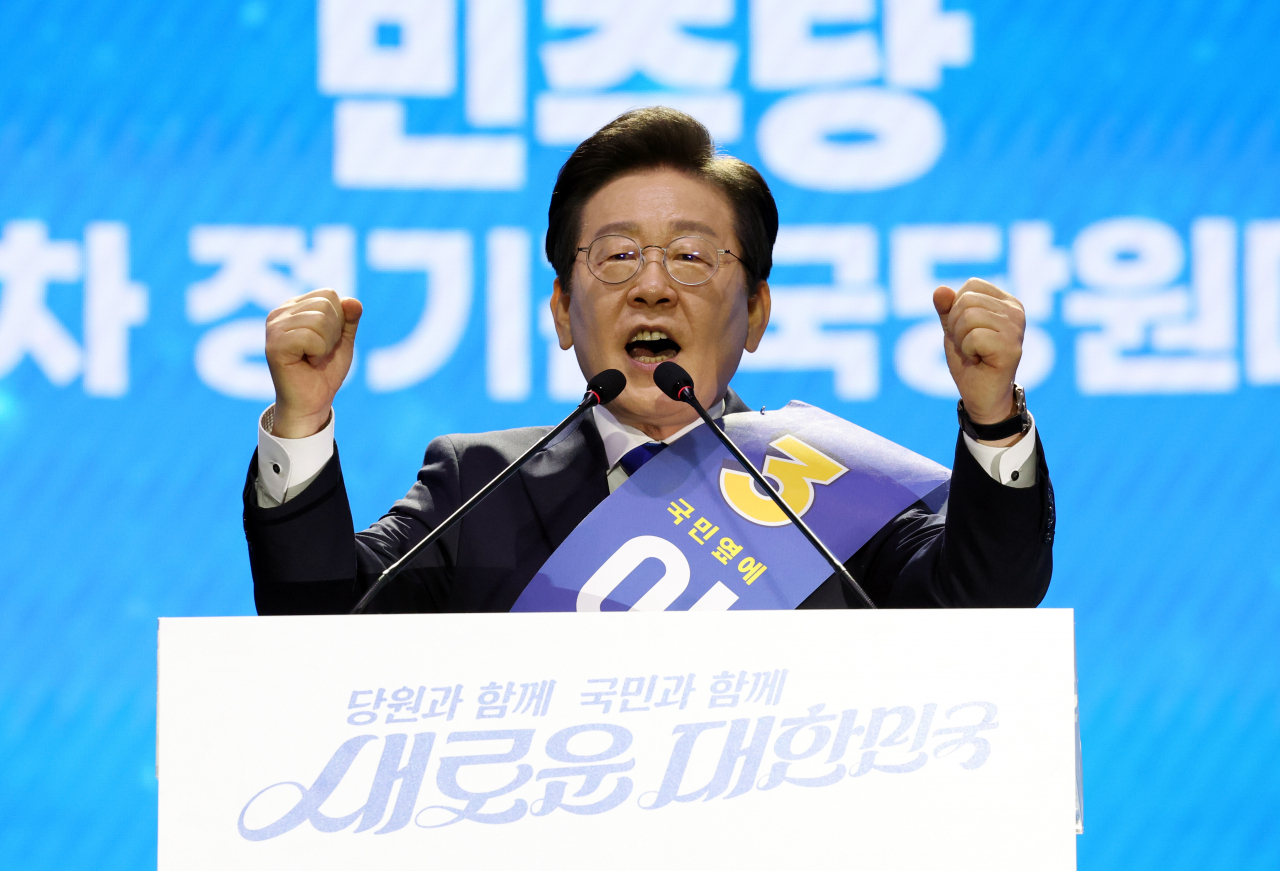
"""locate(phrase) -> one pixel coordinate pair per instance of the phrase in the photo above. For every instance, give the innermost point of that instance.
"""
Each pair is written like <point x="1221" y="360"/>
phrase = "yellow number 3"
<point x="807" y="466"/>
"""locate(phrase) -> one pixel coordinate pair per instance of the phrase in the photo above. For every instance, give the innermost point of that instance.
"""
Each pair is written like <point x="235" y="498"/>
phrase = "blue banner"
<point x="173" y="170"/>
<point x="722" y="543"/>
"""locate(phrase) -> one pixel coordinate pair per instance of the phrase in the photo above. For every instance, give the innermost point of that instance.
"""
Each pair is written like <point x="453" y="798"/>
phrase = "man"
<point x="662" y="250"/>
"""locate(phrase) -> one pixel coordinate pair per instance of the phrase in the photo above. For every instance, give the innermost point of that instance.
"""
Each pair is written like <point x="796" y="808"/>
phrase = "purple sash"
<point x="690" y="531"/>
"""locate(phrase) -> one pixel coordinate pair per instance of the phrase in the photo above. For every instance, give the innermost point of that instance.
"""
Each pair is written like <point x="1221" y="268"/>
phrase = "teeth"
<point x="666" y="355"/>
<point x="648" y="336"/>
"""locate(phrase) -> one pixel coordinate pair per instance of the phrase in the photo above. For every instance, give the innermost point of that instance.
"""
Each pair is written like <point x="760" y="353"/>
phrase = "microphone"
<point x="676" y="383"/>
<point x="601" y="390"/>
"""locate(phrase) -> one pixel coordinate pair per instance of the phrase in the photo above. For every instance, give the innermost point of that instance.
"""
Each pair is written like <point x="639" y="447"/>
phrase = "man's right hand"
<point x="310" y="339"/>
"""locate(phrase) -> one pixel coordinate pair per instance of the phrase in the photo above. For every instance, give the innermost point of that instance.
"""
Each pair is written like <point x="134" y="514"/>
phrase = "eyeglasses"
<point x="690" y="260"/>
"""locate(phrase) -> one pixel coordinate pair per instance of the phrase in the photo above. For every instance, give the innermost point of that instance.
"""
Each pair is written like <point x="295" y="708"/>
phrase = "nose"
<point x="653" y="286"/>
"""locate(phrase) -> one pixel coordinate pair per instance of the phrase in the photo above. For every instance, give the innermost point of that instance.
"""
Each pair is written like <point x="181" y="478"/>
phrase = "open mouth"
<point x="651" y="346"/>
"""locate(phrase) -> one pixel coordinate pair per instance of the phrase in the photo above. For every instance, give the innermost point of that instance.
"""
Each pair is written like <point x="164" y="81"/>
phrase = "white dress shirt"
<point x="287" y="466"/>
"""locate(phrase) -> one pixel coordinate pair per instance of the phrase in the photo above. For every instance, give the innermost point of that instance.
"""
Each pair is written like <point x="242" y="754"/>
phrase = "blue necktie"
<point x="633" y="459"/>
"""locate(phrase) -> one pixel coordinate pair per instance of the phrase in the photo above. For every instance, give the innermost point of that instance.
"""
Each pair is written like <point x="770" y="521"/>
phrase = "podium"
<point x="671" y="740"/>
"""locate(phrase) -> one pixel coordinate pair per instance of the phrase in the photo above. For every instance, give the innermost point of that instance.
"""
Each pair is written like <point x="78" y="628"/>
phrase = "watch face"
<point x="1020" y="407"/>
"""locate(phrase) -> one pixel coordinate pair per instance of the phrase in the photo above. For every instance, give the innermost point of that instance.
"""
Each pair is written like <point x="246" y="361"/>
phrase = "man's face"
<point x="703" y="328"/>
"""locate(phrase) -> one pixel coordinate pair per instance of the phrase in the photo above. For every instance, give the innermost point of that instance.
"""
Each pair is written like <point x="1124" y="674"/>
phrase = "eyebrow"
<point x="681" y="226"/>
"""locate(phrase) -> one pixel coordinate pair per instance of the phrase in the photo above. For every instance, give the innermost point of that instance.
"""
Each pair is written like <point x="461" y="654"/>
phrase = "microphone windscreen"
<point x="671" y="379"/>
<point x="607" y="385"/>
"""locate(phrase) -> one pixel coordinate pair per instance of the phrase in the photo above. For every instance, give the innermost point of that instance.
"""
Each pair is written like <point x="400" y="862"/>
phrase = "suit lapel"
<point x="733" y="403"/>
<point x="566" y="481"/>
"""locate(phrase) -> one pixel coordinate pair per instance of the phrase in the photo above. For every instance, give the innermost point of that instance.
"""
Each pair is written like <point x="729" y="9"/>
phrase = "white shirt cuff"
<point x="1013" y="466"/>
<point x="287" y="466"/>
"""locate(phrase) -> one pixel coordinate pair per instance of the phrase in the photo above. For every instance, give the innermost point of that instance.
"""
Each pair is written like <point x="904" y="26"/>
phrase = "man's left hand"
<point x="982" y="330"/>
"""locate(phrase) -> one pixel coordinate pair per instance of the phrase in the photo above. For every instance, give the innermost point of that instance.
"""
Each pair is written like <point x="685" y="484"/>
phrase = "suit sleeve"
<point x="306" y="557"/>
<point x="992" y="549"/>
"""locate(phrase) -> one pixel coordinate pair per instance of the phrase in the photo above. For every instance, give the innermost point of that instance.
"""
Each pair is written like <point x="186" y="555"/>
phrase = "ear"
<point x="758" y="307"/>
<point x="560" y="315"/>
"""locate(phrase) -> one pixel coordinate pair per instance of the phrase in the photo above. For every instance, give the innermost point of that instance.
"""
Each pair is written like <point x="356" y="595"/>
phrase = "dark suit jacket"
<point x="993" y="548"/>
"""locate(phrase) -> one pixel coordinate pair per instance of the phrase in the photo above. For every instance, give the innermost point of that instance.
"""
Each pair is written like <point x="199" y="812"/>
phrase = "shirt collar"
<point x="619" y="438"/>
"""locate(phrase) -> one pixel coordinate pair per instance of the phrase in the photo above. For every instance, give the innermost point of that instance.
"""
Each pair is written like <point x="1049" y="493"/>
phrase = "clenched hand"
<point x="310" y="340"/>
<point x="982" y="330"/>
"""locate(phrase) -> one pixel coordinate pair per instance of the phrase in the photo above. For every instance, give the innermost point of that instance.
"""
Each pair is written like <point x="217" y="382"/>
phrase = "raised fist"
<point x="982" y="330"/>
<point x="310" y="340"/>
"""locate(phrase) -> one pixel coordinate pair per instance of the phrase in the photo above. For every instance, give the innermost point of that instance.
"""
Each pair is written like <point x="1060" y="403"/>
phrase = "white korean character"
<point x="443" y="258"/>
<point x="564" y="377"/>
<point x="508" y="294"/>
<point x="1154" y="335"/>
<point x="786" y="53"/>
<point x="630" y="37"/>
<point x="800" y="337"/>
<point x="374" y="50"/>
<point x="29" y="262"/>
<point x="915" y="253"/>
<point x="1262" y="301"/>
<point x="1038" y="270"/>
<point x="902" y="134"/>
<point x="113" y="304"/>
<point x="262" y="267"/>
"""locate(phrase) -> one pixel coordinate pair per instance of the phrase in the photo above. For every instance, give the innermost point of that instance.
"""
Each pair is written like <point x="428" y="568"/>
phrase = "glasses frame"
<point x="664" y="248"/>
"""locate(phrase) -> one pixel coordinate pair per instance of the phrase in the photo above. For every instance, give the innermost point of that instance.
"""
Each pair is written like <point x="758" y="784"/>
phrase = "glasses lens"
<point x="692" y="260"/>
<point x="613" y="259"/>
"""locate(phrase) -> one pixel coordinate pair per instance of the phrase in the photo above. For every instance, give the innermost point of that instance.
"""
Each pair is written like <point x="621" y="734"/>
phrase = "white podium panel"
<point x="744" y="740"/>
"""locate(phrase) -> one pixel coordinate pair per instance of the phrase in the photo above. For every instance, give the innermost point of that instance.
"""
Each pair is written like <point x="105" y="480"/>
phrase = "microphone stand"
<point x="592" y="398"/>
<point x="685" y="394"/>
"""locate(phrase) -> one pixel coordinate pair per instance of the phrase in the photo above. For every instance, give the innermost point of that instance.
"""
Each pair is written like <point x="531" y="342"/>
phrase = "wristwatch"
<point x="991" y="432"/>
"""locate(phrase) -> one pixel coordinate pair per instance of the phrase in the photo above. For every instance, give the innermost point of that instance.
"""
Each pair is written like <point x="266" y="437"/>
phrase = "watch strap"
<point x="990" y="432"/>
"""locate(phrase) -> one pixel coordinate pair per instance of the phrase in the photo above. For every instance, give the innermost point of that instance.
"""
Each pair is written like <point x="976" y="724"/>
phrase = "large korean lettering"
<point x="809" y="327"/>
<point x="259" y="266"/>
<point x="593" y="768"/>
<point x="901" y="133"/>
<point x="1154" y="335"/>
<point x="312" y="799"/>
<point x="736" y="747"/>
<point x="113" y="304"/>
<point x="451" y="766"/>
<point x="630" y="37"/>
<point x="375" y="51"/>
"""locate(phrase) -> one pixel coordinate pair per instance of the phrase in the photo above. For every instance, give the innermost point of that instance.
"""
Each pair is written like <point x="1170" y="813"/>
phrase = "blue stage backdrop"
<point x="171" y="171"/>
